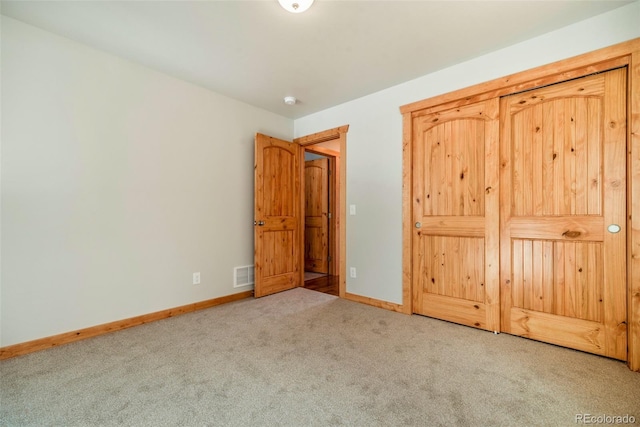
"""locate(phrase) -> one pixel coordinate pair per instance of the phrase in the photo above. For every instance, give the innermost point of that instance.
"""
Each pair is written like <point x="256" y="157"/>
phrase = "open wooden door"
<point x="316" y="215"/>
<point x="563" y="201"/>
<point x="278" y="217"/>
<point x="455" y="214"/>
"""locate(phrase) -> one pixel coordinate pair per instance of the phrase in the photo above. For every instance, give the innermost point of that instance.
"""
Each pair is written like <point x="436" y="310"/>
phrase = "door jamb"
<point x="334" y="207"/>
<point x="307" y="142"/>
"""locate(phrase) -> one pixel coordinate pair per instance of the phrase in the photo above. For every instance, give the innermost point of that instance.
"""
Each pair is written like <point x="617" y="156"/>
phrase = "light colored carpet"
<point x="302" y="358"/>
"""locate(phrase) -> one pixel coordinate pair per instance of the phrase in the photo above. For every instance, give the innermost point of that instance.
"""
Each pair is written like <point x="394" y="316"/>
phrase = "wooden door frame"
<point x="338" y="182"/>
<point x="619" y="55"/>
<point x="334" y="207"/>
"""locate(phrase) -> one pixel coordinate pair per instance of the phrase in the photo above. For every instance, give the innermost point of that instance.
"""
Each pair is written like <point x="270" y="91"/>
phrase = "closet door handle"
<point x="613" y="228"/>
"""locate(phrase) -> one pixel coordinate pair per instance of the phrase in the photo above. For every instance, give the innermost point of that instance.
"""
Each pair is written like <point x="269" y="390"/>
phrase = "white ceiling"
<point x="256" y="52"/>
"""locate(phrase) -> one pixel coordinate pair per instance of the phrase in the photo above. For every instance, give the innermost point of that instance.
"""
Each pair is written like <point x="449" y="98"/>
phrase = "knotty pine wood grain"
<point x="633" y="252"/>
<point x="569" y="332"/>
<point x="578" y="66"/>
<point x="591" y="111"/>
<point x="278" y="205"/>
<point x="615" y="202"/>
<point x="455" y="199"/>
<point x="620" y="55"/>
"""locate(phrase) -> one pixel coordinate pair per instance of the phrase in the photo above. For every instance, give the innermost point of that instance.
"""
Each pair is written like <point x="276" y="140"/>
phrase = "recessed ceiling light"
<point x="290" y="100"/>
<point x="295" y="6"/>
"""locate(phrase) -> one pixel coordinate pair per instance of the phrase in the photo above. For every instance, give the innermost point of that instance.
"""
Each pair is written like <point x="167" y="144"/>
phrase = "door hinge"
<point x="329" y="215"/>
<point x="329" y="258"/>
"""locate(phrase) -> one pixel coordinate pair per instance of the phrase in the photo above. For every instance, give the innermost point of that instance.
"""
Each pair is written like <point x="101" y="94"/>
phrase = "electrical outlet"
<point x="196" y="278"/>
<point x="352" y="272"/>
<point x="352" y="209"/>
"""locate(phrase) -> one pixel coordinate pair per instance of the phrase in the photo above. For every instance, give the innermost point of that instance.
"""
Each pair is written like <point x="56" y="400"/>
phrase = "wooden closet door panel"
<point x="563" y="183"/>
<point x="455" y="215"/>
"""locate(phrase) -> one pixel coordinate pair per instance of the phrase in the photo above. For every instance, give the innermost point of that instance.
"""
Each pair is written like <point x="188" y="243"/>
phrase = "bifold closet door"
<point x="455" y="242"/>
<point x="563" y="214"/>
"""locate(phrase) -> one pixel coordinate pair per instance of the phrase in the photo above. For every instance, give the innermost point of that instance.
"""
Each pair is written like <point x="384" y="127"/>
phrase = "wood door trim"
<point x="599" y="60"/>
<point x="407" y="213"/>
<point x="334" y="195"/>
<point x="633" y="204"/>
<point x="339" y="133"/>
<point x="324" y="136"/>
<point x="530" y="84"/>
<point x="578" y="66"/>
<point x="322" y="151"/>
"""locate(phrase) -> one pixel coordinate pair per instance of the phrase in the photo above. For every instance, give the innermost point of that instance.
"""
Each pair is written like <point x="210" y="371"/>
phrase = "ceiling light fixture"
<point x="290" y="100"/>
<point x="295" y="6"/>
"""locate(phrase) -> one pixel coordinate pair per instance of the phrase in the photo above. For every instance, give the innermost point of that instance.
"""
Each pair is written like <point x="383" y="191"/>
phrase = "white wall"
<point x="118" y="183"/>
<point x="374" y="140"/>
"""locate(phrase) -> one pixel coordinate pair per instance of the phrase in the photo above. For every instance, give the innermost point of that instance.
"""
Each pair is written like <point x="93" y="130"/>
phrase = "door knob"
<point x="418" y="225"/>
<point x="613" y="228"/>
<point x="260" y="223"/>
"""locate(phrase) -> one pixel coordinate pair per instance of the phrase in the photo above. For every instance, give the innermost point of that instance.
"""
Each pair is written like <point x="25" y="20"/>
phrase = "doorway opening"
<point x="324" y="179"/>
<point x="319" y="200"/>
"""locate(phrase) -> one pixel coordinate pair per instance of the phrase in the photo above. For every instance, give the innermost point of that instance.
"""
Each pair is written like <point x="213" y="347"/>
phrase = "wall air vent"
<point x="243" y="276"/>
